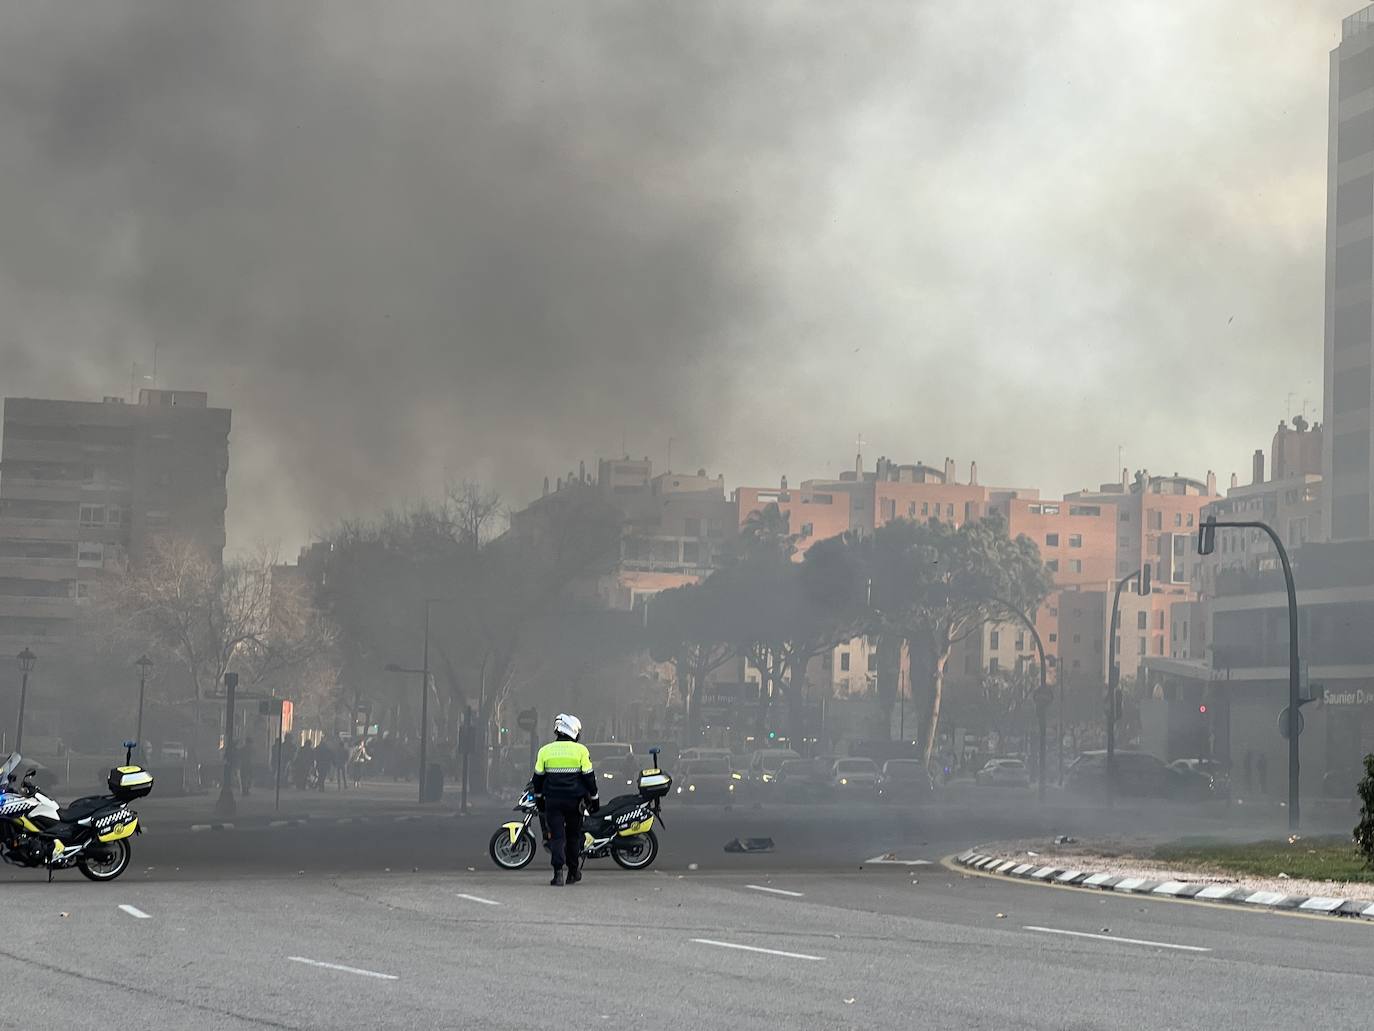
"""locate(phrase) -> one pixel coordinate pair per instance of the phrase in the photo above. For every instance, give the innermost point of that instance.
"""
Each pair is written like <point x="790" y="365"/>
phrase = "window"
<point x="995" y="640"/>
<point x="1085" y="510"/>
<point x="1156" y="520"/>
<point x="993" y="665"/>
<point x="808" y="529"/>
<point x="1142" y="622"/>
<point x="1161" y="646"/>
<point x="844" y="664"/>
<point x="1190" y="519"/>
<point x="1160" y="621"/>
<point x="1052" y="565"/>
<point x="1075" y="540"/>
<point x="1178" y="518"/>
<point x="92" y="515"/>
<point x="114" y="516"/>
<point x="691" y="552"/>
<point x="873" y="662"/>
<point x="83" y="590"/>
<point x="1052" y="541"/>
<point x="1125" y="517"/>
<point x="1075" y="565"/>
<point x="1020" y="640"/>
<point x="1143" y="649"/>
<point x="925" y="510"/>
<point x="911" y="510"/>
<point x="1053" y="638"/>
<point x="90" y="554"/>
<point x="949" y="511"/>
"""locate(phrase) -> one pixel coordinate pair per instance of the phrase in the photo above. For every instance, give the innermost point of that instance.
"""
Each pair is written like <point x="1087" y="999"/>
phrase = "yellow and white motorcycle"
<point x="622" y="829"/>
<point x="91" y="833"/>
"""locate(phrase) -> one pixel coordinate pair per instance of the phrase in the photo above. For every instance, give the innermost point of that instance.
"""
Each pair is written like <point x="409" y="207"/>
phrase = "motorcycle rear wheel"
<point x="108" y="862"/>
<point x="510" y="855"/>
<point x="635" y="853"/>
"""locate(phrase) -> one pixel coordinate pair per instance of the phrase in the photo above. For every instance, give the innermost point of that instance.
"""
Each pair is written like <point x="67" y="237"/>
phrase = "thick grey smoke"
<point x="411" y="240"/>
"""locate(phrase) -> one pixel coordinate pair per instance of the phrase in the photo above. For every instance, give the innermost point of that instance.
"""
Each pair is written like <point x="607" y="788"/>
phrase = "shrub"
<point x="1364" y="830"/>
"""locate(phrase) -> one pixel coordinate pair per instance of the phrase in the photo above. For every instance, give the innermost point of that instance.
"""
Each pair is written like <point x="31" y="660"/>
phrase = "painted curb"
<point x="1230" y="894"/>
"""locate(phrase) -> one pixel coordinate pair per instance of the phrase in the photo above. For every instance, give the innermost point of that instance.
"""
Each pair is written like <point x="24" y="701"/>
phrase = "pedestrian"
<point x="563" y="780"/>
<point x="340" y="752"/>
<point x="302" y="765"/>
<point x="245" y="764"/>
<point x="324" y="764"/>
<point x="357" y="759"/>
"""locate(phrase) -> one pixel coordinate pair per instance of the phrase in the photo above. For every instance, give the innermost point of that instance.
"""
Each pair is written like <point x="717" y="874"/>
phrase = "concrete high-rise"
<point x="84" y="485"/>
<point x="1349" y="339"/>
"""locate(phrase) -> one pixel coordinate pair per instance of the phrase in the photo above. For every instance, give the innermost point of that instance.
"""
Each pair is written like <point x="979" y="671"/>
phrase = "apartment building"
<point x="85" y="485"/>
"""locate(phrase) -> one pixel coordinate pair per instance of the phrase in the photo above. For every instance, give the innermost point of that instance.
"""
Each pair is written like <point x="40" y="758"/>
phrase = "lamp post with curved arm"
<point x="1043" y="694"/>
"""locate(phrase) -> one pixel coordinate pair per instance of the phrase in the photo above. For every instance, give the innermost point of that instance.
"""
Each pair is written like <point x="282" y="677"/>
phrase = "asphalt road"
<point x="388" y="927"/>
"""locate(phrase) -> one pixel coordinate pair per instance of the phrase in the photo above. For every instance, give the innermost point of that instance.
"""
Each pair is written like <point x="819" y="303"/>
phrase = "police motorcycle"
<point x="91" y="833"/>
<point x="622" y="828"/>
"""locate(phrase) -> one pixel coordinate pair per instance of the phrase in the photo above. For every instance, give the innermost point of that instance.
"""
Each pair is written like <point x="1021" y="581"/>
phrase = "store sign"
<point x="1354" y="696"/>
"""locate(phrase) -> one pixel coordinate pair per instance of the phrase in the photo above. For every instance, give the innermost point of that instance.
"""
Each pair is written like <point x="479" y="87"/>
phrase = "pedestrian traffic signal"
<point x="1207" y="536"/>
<point x="1202" y="709"/>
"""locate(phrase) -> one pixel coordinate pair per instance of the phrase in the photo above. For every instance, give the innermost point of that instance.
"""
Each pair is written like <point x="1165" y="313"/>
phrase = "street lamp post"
<point x="144" y="664"/>
<point x="1043" y="695"/>
<point x="1142" y="578"/>
<point x="27" y="660"/>
<point x="424" y="696"/>
<point x="1206" y="544"/>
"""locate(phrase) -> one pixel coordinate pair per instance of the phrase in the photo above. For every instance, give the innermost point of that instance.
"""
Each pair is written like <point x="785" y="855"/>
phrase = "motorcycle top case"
<point x="654" y="783"/>
<point x="129" y="782"/>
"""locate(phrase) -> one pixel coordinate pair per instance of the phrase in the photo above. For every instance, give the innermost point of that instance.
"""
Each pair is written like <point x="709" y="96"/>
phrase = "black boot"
<point x="557" y="881"/>
<point x="575" y="873"/>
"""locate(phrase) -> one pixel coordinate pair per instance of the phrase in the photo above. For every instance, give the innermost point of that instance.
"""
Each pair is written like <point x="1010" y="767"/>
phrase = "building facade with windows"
<point x="84" y="485"/>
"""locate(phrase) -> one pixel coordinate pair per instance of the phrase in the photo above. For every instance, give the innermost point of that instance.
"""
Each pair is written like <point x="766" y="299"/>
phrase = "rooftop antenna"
<point x="669" y="467"/>
<point x="1292" y="395"/>
<point x="859" y="443"/>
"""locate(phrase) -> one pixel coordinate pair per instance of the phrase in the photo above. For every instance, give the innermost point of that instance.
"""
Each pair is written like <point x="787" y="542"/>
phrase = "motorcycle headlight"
<point x="768" y="778"/>
<point x="691" y="787"/>
<point x="844" y="780"/>
<point x="730" y="787"/>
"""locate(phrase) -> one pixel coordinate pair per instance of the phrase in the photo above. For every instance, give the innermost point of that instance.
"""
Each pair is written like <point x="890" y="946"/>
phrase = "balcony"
<point x="41" y="529"/>
<point x="38" y="608"/>
<point x="22" y="568"/>
<point x="41" y="490"/>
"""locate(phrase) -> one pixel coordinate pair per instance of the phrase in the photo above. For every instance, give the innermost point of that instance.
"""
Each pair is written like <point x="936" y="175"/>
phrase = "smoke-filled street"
<point x="412" y="926"/>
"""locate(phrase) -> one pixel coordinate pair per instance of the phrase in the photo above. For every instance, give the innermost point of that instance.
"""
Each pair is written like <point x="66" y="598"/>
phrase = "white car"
<point x="854" y="775"/>
<point x="1003" y="773"/>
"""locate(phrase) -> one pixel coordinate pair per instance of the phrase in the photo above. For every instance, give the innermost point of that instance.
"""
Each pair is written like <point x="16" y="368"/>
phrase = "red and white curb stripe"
<point x="1237" y="894"/>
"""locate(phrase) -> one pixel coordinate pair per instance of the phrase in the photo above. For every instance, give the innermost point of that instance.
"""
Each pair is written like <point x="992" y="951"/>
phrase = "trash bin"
<point x="434" y="783"/>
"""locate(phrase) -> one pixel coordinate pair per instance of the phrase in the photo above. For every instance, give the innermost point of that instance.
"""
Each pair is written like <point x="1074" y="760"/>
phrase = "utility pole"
<point x="1142" y="578"/>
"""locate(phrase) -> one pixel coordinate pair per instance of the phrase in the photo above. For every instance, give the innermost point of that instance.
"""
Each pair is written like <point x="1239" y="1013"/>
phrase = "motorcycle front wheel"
<point x="635" y="853"/>
<point x="514" y="855"/>
<point x="107" y="862"/>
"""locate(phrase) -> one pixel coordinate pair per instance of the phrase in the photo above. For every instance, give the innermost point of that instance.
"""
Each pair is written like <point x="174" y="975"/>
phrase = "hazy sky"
<point x="411" y="241"/>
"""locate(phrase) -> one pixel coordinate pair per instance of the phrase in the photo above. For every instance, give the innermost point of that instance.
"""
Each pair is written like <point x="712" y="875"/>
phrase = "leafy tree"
<point x="937" y="584"/>
<point x="1364" y="830"/>
<point x="690" y="627"/>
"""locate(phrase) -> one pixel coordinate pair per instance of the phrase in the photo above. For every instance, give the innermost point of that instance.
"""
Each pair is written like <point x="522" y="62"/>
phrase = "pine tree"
<point x="1364" y="830"/>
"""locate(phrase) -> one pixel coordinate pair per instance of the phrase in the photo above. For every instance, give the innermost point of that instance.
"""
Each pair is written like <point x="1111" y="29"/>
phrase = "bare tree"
<point x="475" y="512"/>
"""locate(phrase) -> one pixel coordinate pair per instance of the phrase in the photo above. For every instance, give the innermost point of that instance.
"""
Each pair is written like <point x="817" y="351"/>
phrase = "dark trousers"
<point x="564" y="821"/>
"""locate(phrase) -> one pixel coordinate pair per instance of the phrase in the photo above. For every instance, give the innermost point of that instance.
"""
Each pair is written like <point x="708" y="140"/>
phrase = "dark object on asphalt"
<point x="1064" y="839"/>
<point x="749" y="845"/>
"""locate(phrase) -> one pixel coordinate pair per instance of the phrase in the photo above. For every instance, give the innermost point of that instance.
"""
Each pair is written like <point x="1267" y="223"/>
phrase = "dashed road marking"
<point x="477" y="898"/>
<point x="775" y="891"/>
<point x="1114" y="938"/>
<point x="755" y="948"/>
<point x="339" y="966"/>
<point x="135" y="912"/>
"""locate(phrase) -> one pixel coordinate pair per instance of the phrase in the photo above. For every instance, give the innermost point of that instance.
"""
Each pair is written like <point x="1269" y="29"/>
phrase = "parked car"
<point x="1136" y="775"/>
<point x="765" y="763"/>
<point x="704" y="753"/>
<point x="1003" y="773"/>
<point x="905" y="780"/>
<point x="855" y="775"/>
<point x="707" y="780"/>
<point x="1213" y="774"/>
<point x="614" y="761"/>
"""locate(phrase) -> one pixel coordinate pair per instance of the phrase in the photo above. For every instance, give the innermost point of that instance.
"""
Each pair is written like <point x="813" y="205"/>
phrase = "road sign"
<point x="528" y="719"/>
<point x="1283" y="723"/>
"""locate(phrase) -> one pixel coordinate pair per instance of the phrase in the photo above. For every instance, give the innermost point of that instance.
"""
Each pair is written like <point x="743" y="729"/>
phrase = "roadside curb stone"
<point x="1228" y="894"/>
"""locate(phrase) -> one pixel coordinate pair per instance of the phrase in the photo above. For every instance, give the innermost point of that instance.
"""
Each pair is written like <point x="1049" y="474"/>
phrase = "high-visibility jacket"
<point x="563" y="772"/>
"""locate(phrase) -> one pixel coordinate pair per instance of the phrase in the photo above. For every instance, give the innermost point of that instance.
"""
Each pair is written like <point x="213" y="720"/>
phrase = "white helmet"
<point x="567" y="725"/>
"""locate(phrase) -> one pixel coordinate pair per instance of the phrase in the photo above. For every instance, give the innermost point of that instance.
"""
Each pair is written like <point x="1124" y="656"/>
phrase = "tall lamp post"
<point x="27" y="660"/>
<point x="424" y="697"/>
<point x="1043" y="694"/>
<point x="144" y="664"/>
<point x="1141" y="577"/>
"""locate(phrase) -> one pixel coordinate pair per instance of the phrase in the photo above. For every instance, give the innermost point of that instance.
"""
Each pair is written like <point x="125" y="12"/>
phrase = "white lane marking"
<point x="775" y="891"/>
<point x="475" y="898"/>
<point x="1113" y="938"/>
<point x="754" y="948"/>
<point x="135" y="912"/>
<point x="339" y="966"/>
<point x="892" y="860"/>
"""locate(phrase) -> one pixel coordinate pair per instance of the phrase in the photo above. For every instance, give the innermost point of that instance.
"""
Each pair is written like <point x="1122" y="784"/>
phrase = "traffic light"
<point x="772" y="735"/>
<point x="1142" y="586"/>
<point x="1207" y="536"/>
<point x="1202" y="710"/>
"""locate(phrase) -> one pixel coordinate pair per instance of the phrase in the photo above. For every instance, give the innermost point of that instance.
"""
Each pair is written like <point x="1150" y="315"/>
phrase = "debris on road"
<point x="749" y="845"/>
<point x="1064" y="839"/>
<point x="1001" y="916"/>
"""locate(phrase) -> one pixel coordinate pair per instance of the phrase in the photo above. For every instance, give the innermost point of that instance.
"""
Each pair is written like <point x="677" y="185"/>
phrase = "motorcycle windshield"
<point x="11" y="764"/>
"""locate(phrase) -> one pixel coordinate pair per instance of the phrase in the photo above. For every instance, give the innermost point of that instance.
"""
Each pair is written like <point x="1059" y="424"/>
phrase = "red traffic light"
<point x="1202" y="709"/>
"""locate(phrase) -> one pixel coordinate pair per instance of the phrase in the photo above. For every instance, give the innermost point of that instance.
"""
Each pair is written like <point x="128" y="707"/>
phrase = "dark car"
<point x="905" y="780"/>
<point x="1212" y="778"/>
<point x="799" y="780"/>
<point x="1136" y="775"/>
<point x="707" y="780"/>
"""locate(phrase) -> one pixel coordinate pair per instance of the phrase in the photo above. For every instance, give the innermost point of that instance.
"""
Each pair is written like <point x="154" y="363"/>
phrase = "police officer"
<point x="563" y="780"/>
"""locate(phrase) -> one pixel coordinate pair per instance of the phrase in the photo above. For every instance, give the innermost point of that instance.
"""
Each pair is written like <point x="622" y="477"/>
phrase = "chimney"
<point x="546" y="486"/>
<point x="701" y="473"/>
<point x="1125" y="478"/>
<point x="1258" y="467"/>
<point x="560" y="484"/>
<point x="859" y="465"/>
<point x="1211" y="482"/>
<point x="582" y="471"/>
<point x="1235" y="481"/>
<point x="973" y="474"/>
<point x="949" y="470"/>
<point x="784" y="487"/>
